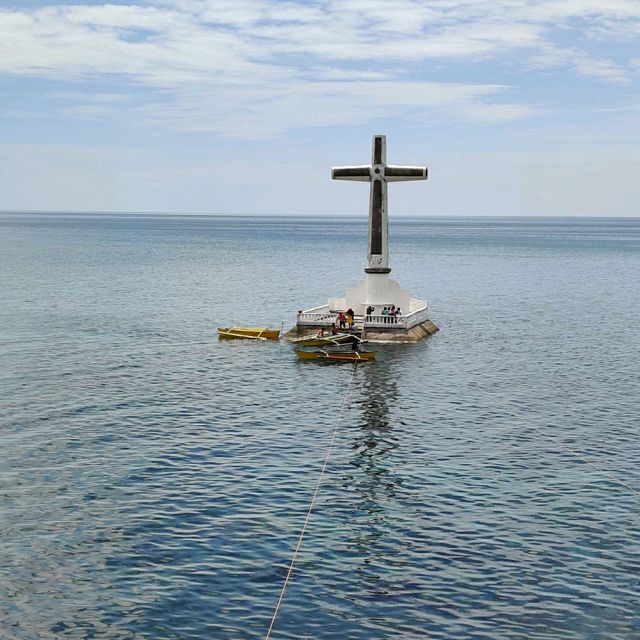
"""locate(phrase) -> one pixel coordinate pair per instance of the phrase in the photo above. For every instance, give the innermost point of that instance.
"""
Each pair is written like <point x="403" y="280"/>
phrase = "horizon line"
<point x="303" y="215"/>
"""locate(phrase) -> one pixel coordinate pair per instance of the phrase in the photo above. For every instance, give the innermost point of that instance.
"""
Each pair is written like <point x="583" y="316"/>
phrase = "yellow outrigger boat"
<point x="250" y="333"/>
<point x="338" y="356"/>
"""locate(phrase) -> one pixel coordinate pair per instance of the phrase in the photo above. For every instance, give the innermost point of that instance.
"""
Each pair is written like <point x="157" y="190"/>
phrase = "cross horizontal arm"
<point x="362" y="172"/>
<point x="393" y="173"/>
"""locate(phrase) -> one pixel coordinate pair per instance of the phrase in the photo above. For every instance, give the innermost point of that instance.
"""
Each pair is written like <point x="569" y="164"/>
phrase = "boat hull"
<point x="249" y="333"/>
<point x="314" y="341"/>
<point x="338" y="356"/>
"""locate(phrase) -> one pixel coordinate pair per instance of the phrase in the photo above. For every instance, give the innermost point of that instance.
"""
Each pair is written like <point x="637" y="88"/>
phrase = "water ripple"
<point x="153" y="483"/>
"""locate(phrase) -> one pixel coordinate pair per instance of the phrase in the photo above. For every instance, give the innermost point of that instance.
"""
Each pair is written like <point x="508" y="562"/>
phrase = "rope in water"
<point x="311" y="504"/>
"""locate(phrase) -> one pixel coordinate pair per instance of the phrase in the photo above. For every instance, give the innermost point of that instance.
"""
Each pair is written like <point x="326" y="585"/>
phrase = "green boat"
<point x="325" y="341"/>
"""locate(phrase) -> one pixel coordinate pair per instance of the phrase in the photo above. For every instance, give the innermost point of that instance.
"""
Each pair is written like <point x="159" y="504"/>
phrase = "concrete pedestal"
<point x="376" y="290"/>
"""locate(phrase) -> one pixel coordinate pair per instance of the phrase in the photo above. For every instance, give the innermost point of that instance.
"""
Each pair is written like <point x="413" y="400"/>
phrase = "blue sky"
<point x="520" y="107"/>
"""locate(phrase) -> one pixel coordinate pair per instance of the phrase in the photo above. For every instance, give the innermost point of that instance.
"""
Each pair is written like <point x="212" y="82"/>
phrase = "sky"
<point x="518" y="107"/>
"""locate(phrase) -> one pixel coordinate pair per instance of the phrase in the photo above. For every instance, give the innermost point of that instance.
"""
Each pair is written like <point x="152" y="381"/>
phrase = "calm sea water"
<point x="484" y="484"/>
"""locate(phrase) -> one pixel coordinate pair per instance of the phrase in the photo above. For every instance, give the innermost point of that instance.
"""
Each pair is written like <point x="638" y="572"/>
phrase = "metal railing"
<point x="384" y="321"/>
<point x="316" y="318"/>
<point x="322" y="317"/>
<point x="400" y="321"/>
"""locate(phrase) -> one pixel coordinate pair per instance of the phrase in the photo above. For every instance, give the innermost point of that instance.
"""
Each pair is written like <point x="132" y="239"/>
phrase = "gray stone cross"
<point x="378" y="174"/>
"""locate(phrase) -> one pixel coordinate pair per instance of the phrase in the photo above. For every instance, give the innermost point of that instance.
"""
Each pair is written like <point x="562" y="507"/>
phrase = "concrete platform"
<point x="377" y="335"/>
<point x="390" y="336"/>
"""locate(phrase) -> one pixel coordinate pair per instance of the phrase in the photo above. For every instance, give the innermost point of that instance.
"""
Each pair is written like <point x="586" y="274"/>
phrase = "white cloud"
<point x="490" y="113"/>
<point x="264" y="111"/>
<point x="603" y="69"/>
<point x="256" y="67"/>
<point x="581" y="64"/>
<point x="227" y="37"/>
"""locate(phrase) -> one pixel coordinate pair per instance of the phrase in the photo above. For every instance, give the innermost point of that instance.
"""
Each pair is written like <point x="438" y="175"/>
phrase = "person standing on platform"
<point x="350" y="316"/>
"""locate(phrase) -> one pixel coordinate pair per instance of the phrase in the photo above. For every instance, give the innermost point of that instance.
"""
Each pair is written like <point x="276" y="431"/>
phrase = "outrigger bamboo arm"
<point x="243" y="335"/>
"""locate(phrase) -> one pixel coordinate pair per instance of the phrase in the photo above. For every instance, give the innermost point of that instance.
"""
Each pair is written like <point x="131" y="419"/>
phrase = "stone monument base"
<point x="378" y="335"/>
<point x="400" y="336"/>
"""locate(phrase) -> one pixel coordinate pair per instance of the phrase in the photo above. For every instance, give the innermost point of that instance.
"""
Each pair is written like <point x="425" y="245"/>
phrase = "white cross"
<point x="378" y="174"/>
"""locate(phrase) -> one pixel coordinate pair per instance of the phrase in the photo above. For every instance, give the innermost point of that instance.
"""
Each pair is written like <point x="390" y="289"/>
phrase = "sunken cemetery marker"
<point x="377" y="291"/>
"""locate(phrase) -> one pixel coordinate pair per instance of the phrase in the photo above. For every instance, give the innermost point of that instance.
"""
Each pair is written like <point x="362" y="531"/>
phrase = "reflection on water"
<point x="374" y="480"/>
<point x="378" y="391"/>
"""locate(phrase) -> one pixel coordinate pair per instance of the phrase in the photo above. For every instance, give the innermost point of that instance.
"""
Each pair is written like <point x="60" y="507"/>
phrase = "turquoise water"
<point x="484" y="484"/>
